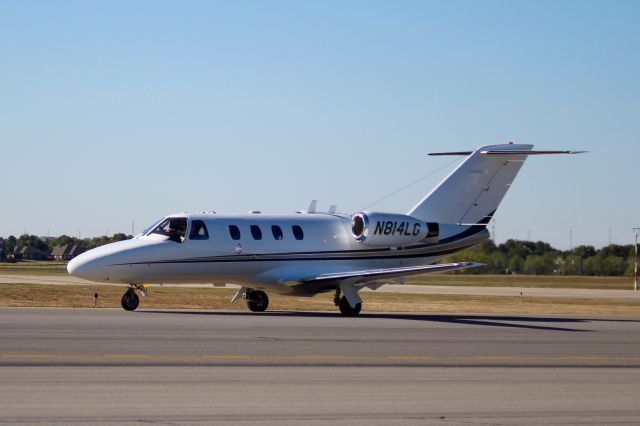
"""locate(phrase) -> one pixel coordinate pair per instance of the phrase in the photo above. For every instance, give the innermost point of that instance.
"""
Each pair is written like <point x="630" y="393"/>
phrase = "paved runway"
<point x="195" y="367"/>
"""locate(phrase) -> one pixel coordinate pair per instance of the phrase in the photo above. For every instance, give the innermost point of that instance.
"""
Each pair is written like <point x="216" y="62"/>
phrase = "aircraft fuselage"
<point x="261" y="251"/>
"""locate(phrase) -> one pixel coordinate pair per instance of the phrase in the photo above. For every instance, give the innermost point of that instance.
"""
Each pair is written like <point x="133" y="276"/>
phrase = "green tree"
<point x="539" y="264"/>
<point x="571" y="265"/>
<point x="62" y="239"/>
<point x="32" y="241"/>
<point x="630" y="264"/>
<point x="498" y="262"/>
<point x="584" y="251"/>
<point x="617" y="250"/>
<point x="10" y="244"/>
<point x="515" y="264"/>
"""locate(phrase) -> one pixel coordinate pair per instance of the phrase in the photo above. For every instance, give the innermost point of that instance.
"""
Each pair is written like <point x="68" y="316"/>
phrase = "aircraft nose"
<point x="77" y="267"/>
<point x="112" y="263"/>
<point x="86" y="268"/>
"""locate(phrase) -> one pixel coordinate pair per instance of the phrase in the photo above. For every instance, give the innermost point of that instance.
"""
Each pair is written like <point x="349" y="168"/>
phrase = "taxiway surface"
<point x="194" y="367"/>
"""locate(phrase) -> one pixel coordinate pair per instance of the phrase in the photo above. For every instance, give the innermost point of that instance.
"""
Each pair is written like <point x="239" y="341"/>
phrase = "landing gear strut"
<point x="130" y="300"/>
<point x="343" y="303"/>
<point x="257" y="300"/>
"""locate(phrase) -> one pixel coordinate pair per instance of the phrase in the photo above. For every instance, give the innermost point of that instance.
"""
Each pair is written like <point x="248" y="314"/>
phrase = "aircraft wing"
<point x="356" y="277"/>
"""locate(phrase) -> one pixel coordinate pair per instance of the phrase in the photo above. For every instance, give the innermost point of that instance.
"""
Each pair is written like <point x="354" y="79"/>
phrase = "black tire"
<point x="346" y="310"/>
<point x="130" y="301"/>
<point x="257" y="301"/>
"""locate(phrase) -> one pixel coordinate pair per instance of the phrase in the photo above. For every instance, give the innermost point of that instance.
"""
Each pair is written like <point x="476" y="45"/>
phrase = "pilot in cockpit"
<point x="174" y="228"/>
<point x="177" y="230"/>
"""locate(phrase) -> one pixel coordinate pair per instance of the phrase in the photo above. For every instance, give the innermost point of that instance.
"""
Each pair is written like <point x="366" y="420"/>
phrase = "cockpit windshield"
<point x="173" y="227"/>
<point x="146" y="230"/>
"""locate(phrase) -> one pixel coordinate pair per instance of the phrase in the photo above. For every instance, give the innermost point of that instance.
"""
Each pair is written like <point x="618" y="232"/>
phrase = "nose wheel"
<point x="130" y="300"/>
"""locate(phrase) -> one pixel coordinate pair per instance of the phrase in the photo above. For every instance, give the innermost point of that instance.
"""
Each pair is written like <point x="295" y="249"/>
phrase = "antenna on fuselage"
<point x="313" y="208"/>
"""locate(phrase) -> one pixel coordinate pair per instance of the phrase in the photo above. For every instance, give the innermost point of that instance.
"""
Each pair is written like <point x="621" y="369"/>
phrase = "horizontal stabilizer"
<point x="435" y="154"/>
<point x="506" y="152"/>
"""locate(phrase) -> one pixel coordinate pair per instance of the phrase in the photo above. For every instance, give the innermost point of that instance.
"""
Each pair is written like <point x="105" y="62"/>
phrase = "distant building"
<point x="66" y="251"/>
<point x="29" y="253"/>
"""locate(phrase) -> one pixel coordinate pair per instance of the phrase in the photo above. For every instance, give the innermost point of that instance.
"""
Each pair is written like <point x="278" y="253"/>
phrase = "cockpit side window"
<point x="173" y="227"/>
<point x="198" y="230"/>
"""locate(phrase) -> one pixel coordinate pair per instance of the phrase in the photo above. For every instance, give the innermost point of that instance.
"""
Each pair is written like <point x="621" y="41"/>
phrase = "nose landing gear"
<point x="130" y="300"/>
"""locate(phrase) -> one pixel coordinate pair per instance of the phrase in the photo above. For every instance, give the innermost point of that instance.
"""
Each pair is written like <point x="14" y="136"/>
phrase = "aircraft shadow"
<point x="504" y="321"/>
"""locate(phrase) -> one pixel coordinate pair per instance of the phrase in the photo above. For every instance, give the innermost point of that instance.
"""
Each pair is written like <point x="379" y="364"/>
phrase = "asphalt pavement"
<point x="108" y="366"/>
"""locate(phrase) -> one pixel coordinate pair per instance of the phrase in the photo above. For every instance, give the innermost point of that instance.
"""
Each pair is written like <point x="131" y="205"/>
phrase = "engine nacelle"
<point x="392" y="230"/>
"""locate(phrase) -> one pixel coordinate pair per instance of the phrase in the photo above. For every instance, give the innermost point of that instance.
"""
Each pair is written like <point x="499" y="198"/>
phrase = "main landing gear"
<point x="257" y="300"/>
<point x="130" y="300"/>
<point x="346" y="310"/>
<point x="345" y="307"/>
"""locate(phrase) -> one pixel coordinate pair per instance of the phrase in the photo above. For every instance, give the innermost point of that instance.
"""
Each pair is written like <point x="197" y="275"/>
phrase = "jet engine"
<point x="392" y="230"/>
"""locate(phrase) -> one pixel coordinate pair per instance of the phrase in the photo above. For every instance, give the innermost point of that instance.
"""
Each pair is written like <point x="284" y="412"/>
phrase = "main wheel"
<point x="130" y="301"/>
<point x="257" y="301"/>
<point x="346" y="309"/>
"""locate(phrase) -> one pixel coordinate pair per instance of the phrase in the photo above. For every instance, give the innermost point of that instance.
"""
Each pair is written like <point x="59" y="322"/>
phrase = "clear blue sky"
<point x="118" y="111"/>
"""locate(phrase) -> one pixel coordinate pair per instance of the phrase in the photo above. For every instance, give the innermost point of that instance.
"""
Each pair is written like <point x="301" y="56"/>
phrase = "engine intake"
<point x="392" y="230"/>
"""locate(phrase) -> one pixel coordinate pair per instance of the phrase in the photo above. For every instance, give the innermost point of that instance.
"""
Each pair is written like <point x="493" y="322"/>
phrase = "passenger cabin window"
<point x="173" y="227"/>
<point x="297" y="232"/>
<point x="256" y="232"/>
<point x="198" y="231"/>
<point x="277" y="232"/>
<point x="234" y="232"/>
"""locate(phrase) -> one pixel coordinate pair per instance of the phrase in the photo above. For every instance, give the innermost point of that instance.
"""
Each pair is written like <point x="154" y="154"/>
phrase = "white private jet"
<point x="310" y="252"/>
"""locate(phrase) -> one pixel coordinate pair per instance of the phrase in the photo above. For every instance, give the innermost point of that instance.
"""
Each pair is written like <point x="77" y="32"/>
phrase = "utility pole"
<point x="635" y="269"/>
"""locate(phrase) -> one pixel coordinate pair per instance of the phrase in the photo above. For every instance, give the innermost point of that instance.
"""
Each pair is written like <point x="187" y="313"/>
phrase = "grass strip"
<point x="36" y="295"/>
<point x="33" y="267"/>
<point x="526" y="281"/>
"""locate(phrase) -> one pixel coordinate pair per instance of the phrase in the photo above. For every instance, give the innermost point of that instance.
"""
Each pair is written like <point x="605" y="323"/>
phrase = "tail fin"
<point x="473" y="191"/>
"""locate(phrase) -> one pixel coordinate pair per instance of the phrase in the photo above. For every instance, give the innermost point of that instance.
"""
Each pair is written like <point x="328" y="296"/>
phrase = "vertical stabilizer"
<point x="473" y="191"/>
